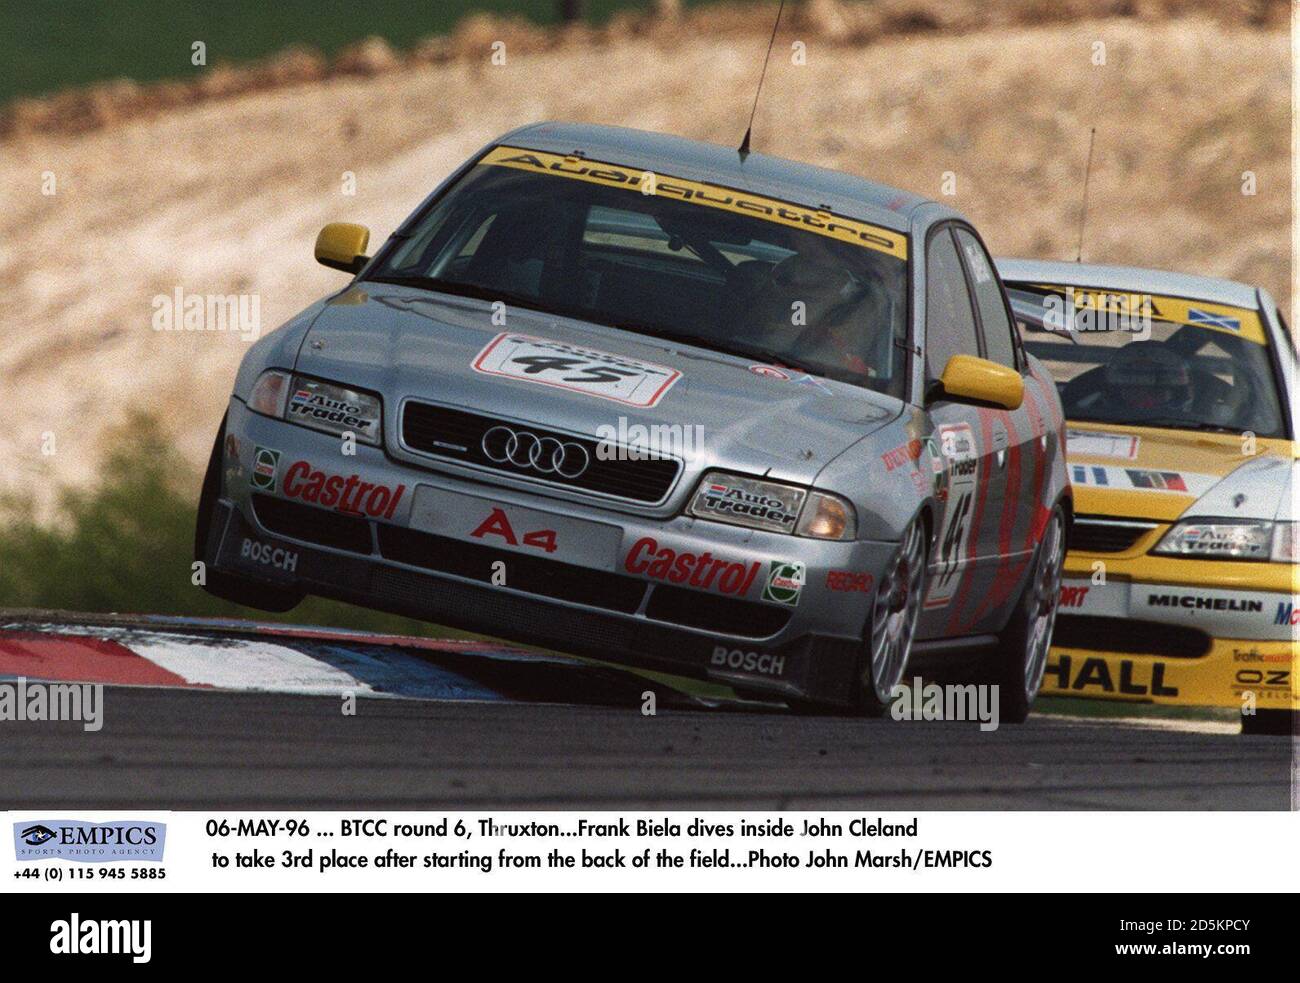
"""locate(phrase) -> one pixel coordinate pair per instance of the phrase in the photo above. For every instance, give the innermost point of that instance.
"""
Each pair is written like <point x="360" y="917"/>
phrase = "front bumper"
<point x="1175" y="631"/>
<point x="540" y="569"/>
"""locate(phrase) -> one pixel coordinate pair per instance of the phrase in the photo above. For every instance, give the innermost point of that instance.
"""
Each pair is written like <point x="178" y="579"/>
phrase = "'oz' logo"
<point x="784" y="582"/>
<point x="266" y="463"/>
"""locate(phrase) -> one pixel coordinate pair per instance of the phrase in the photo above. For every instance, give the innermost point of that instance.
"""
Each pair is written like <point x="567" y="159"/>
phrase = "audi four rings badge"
<point x="545" y="455"/>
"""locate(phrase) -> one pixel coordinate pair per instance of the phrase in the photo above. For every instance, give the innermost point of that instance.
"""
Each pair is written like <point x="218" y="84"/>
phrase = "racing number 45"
<point x="954" y="537"/>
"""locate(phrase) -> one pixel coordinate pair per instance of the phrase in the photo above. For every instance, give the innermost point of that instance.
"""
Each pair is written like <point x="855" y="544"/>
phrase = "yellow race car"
<point x="1181" y="582"/>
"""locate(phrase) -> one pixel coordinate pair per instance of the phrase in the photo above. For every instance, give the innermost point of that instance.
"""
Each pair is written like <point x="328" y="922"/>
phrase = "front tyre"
<point x="1017" y="665"/>
<point x="894" y="612"/>
<point x="1275" y="723"/>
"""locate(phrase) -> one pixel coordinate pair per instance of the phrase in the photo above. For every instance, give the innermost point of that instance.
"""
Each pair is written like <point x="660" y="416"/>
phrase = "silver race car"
<point x="660" y="403"/>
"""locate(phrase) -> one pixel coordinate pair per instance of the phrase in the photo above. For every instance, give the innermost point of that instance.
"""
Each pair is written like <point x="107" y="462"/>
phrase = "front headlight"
<point x="1286" y="542"/>
<point x="772" y="506"/>
<point x="1219" y="539"/>
<point x="320" y="405"/>
<point x="827" y="517"/>
<point x="269" y="393"/>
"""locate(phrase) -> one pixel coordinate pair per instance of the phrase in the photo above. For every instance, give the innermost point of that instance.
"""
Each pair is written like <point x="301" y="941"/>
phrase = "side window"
<point x="998" y="343"/>
<point x="949" y="319"/>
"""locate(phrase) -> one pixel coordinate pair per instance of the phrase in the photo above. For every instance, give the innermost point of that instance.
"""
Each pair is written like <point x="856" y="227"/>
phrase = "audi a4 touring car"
<point x="662" y="403"/>
<point x="1181" y="582"/>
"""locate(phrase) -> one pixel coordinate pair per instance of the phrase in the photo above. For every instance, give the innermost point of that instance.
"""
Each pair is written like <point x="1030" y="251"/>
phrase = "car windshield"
<point x="1152" y="361"/>
<point x="738" y="273"/>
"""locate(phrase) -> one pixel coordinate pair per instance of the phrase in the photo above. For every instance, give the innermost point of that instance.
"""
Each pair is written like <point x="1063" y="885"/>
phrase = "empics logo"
<point x="94" y="937"/>
<point x="73" y="839"/>
<point x="266" y="463"/>
<point x="784" y="582"/>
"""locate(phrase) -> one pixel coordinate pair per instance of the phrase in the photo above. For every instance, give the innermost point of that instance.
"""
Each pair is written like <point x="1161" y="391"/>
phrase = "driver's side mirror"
<point x="342" y="246"/>
<point x="967" y="378"/>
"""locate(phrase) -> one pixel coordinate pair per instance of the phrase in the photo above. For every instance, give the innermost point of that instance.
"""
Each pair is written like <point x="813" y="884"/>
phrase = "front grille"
<point x="457" y="435"/>
<point x="579" y="585"/>
<point x="1101" y="634"/>
<point x="725" y="615"/>
<point x="531" y="574"/>
<point x="1093" y="534"/>
<point x="312" y="525"/>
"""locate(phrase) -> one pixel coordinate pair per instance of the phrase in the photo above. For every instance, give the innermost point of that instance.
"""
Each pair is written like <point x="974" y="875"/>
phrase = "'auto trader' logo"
<point x="784" y="582"/>
<point x="36" y="835"/>
<point x="73" y="839"/>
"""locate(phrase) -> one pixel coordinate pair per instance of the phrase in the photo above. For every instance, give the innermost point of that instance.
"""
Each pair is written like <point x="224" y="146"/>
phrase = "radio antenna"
<point x="1083" y="214"/>
<point x="749" y="130"/>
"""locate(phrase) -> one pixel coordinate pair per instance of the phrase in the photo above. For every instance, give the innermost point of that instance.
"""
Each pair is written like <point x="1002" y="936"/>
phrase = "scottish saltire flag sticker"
<point x="1213" y="320"/>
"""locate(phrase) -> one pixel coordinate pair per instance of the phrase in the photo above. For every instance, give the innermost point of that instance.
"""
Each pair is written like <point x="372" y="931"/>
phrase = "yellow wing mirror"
<point x="342" y="246"/>
<point x="967" y="378"/>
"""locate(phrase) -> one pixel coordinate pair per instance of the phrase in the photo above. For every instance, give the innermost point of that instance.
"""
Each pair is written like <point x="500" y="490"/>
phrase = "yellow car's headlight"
<point x="1286" y="542"/>
<point x="1230" y="539"/>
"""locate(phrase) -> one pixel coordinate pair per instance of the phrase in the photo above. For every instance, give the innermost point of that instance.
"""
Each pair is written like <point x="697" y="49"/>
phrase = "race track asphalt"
<point x="194" y="749"/>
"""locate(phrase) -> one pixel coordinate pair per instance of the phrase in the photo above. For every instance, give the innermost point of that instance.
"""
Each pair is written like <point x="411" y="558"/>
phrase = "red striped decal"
<point x="1009" y="571"/>
<point x="1002" y="580"/>
<point x="74" y="658"/>
<point x="1057" y="421"/>
<point x="1010" y="501"/>
<point x="1039" y="427"/>
<point x="972" y="545"/>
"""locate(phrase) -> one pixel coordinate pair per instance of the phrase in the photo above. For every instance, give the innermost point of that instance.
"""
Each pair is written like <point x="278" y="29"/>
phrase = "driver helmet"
<point x="1150" y="377"/>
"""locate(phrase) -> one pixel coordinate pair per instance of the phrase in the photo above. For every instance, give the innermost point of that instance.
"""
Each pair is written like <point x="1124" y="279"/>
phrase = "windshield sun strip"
<point x="816" y="221"/>
<point x="1174" y="310"/>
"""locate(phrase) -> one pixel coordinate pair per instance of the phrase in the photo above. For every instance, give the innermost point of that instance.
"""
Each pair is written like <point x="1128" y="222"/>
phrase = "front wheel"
<point x="1275" y="723"/>
<point x="1017" y="665"/>
<point x="893" y="624"/>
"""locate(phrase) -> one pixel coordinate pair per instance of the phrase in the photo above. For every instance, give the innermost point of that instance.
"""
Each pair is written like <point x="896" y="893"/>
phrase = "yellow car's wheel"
<point x="1273" y="722"/>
